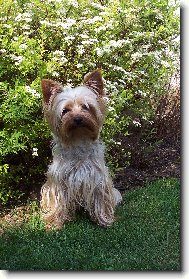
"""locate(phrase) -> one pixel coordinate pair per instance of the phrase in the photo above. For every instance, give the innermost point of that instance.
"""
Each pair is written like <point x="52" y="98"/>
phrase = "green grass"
<point x="146" y="236"/>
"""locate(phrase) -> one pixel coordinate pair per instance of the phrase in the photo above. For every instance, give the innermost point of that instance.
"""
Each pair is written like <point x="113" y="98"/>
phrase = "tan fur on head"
<point x="49" y="89"/>
<point x="75" y="114"/>
<point x="78" y="175"/>
<point x="94" y="81"/>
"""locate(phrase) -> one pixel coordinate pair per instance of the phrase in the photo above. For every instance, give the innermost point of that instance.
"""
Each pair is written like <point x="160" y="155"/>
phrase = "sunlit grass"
<point x="145" y="236"/>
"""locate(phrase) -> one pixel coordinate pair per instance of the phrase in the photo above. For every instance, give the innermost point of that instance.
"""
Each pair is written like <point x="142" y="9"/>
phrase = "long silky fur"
<point x="78" y="177"/>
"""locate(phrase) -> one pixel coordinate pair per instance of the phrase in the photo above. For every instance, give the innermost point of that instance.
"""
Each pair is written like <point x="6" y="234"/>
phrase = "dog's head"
<point x="78" y="113"/>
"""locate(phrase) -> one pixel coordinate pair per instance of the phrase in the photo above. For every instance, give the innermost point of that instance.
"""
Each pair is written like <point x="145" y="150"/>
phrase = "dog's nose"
<point x="78" y="120"/>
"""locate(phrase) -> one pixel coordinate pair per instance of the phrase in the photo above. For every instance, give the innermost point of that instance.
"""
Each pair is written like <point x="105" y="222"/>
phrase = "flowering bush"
<point x="133" y="42"/>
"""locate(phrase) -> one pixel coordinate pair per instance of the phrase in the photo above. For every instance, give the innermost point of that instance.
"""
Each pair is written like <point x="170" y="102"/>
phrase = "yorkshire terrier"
<point x="78" y="175"/>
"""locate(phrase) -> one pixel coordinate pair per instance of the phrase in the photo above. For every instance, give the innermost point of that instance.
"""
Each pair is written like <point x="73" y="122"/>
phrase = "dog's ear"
<point x="94" y="81"/>
<point x="49" y="88"/>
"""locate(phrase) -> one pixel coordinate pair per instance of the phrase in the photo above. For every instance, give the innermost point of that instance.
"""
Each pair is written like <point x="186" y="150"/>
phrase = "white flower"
<point x="7" y="25"/>
<point x="63" y="59"/>
<point x="79" y="65"/>
<point x="59" y="56"/>
<point x="99" y="51"/>
<point x="137" y="123"/>
<point x="84" y="36"/>
<point x="142" y="93"/>
<point x="89" y="42"/>
<point x="92" y="20"/>
<point x="18" y="17"/>
<point x="146" y="47"/>
<point x="111" y="108"/>
<point x="80" y="50"/>
<point x="96" y="18"/>
<point x="34" y="152"/>
<point x="96" y="5"/>
<point x="69" y="22"/>
<point x="17" y="59"/>
<point x="74" y="3"/>
<point x="118" y="142"/>
<point x="118" y="43"/>
<point x="122" y="81"/>
<point x="119" y="69"/>
<point x="136" y="55"/>
<point x="26" y="26"/>
<point x="104" y="14"/>
<point x="69" y="38"/>
<point x="32" y="91"/>
<point x="165" y="64"/>
<point x="177" y="39"/>
<point x="55" y="74"/>
<point x="27" y="33"/>
<point x="3" y="50"/>
<point x="23" y="46"/>
<point x="23" y="16"/>
<point x="58" y="52"/>
<point x="45" y="22"/>
<point x="104" y="27"/>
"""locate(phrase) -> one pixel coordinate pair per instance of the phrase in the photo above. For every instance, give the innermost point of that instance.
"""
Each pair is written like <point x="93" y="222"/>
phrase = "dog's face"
<point x="75" y="114"/>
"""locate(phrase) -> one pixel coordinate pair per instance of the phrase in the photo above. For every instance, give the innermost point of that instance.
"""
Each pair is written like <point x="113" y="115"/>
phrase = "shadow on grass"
<point x="145" y="236"/>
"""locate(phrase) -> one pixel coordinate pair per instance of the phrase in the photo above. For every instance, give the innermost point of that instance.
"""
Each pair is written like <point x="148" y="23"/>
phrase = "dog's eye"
<point x="84" y="107"/>
<point x="65" y="111"/>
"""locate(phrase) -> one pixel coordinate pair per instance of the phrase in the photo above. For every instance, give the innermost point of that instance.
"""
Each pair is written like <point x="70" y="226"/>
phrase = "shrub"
<point x="132" y="42"/>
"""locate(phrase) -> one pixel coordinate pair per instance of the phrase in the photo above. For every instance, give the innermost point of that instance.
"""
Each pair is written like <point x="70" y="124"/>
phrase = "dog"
<point x="77" y="176"/>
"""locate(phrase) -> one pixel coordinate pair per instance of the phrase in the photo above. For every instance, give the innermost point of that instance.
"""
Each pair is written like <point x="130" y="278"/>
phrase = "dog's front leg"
<point x="53" y="204"/>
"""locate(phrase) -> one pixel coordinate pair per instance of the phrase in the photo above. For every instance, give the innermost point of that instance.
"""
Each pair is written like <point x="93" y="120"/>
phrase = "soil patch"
<point x="161" y="162"/>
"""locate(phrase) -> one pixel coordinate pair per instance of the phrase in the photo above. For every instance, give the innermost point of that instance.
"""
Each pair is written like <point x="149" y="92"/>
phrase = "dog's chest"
<point x="81" y="166"/>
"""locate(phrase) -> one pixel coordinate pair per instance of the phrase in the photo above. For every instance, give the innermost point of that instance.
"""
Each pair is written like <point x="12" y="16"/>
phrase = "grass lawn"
<point x="146" y="236"/>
